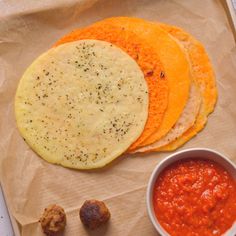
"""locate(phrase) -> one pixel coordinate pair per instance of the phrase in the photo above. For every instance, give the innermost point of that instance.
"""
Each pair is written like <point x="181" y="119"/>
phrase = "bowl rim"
<point x="172" y="158"/>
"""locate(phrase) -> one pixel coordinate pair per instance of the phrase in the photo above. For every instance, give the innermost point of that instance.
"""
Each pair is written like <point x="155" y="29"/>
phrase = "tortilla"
<point x="186" y="120"/>
<point x="204" y="77"/>
<point x="176" y="68"/>
<point x="146" y="57"/>
<point x="82" y="104"/>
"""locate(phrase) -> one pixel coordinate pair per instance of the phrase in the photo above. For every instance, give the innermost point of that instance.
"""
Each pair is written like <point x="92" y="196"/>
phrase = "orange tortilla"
<point x="176" y="67"/>
<point x="146" y="58"/>
<point x="203" y="74"/>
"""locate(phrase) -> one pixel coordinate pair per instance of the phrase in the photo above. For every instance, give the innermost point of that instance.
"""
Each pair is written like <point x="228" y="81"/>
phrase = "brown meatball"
<point x="53" y="220"/>
<point x="94" y="213"/>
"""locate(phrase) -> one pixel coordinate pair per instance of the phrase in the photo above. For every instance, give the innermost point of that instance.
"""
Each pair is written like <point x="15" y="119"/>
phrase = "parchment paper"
<point x="27" y="29"/>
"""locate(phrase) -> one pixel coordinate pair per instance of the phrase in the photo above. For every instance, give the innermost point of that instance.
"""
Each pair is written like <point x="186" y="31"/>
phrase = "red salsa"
<point x="195" y="197"/>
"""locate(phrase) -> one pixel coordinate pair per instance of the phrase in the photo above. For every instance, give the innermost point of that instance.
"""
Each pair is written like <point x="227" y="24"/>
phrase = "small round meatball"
<point x="53" y="220"/>
<point x="94" y="213"/>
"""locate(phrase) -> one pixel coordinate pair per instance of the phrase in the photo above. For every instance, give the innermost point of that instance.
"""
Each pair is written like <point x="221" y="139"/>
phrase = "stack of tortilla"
<point x="120" y="85"/>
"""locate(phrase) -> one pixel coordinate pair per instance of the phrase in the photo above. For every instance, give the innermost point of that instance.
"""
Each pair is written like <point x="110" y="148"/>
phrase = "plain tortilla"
<point x="186" y="120"/>
<point x="204" y="77"/>
<point x="82" y="104"/>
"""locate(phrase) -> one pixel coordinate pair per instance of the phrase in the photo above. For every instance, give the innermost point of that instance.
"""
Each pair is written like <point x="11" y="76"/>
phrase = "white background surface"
<point x="234" y="3"/>
<point x="5" y="223"/>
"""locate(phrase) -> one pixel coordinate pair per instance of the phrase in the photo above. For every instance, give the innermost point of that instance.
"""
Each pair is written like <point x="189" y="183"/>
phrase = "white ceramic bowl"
<point x="202" y="153"/>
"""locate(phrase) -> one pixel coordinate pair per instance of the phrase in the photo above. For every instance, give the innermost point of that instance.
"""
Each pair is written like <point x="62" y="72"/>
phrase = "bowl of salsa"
<point x="193" y="193"/>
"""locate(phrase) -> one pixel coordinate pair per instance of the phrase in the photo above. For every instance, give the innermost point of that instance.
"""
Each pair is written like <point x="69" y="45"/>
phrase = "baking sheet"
<point x="230" y="8"/>
<point x="28" y="28"/>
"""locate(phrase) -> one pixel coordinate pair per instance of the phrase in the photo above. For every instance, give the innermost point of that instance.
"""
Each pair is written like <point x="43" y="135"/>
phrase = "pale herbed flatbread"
<point x="82" y="104"/>
<point x="147" y="58"/>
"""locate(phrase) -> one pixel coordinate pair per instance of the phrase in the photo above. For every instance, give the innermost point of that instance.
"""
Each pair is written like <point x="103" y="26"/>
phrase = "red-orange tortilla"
<point x="176" y="67"/>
